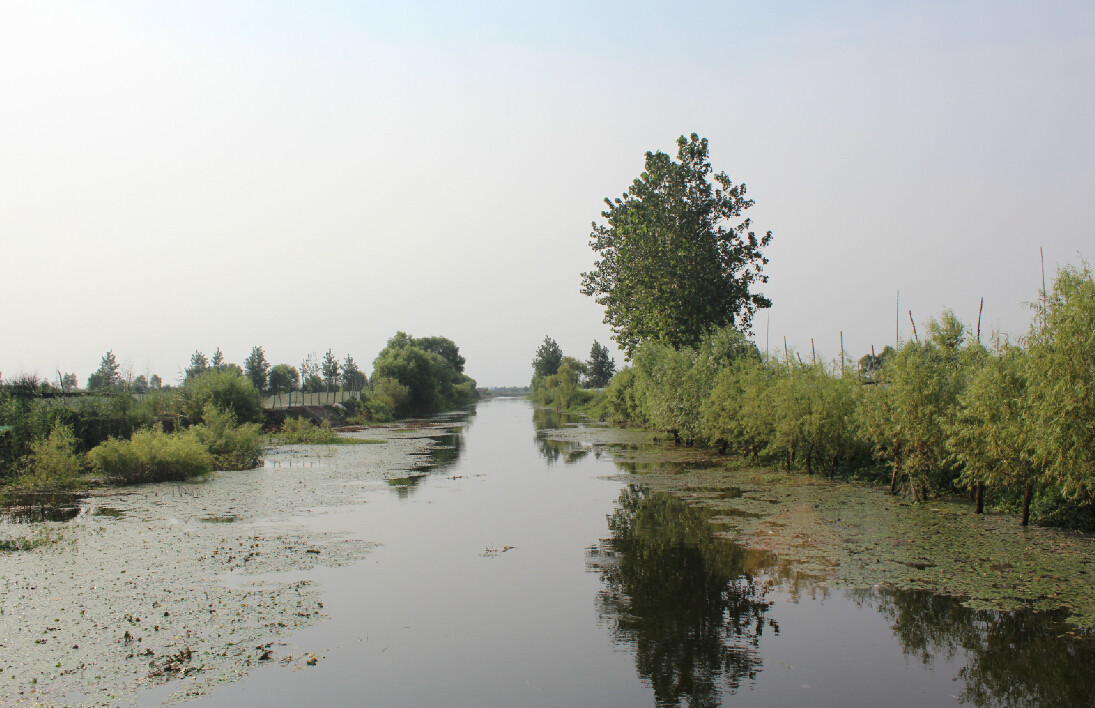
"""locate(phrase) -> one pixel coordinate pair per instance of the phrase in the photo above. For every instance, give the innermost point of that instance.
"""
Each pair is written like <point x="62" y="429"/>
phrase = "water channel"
<point x="517" y="570"/>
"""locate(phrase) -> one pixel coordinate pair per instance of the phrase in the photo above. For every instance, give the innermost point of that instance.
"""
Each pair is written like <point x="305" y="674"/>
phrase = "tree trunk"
<point x="809" y="460"/>
<point x="1028" y="492"/>
<point x="980" y="497"/>
<point x="896" y="471"/>
<point x="973" y="492"/>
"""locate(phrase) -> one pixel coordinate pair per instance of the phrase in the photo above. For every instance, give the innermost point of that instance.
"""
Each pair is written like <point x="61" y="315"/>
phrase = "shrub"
<point x="388" y="399"/>
<point x="151" y="456"/>
<point x="227" y="390"/>
<point x="233" y="447"/>
<point x="301" y="431"/>
<point x="53" y="462"/>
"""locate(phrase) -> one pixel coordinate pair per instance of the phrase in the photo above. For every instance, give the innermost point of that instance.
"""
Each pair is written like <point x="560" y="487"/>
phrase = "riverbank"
<point x="203" y="579"/>
<point x="852" y="535"/>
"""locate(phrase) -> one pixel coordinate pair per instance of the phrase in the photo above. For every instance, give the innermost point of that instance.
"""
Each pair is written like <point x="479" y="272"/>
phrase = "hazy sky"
<point x="303" y="176"/>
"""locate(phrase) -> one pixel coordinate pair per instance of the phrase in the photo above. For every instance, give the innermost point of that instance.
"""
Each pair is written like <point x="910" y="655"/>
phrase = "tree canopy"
<point x="676" y="258"/>
<point x="548" y="358"/>
<point x="600" y="367"/>
<point x="430" y="380"/>
<point x="255" y="366"/>
<point x="106" y="375"/>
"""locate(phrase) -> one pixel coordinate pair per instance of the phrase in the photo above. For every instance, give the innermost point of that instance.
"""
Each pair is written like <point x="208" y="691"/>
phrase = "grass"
<point x="301" y="431"/>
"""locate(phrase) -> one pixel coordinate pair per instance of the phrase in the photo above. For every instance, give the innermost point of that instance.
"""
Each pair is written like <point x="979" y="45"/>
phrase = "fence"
<point x="295" y="399"/>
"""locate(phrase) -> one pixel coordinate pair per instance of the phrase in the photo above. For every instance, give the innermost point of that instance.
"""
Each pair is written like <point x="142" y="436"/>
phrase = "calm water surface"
<point x="513" y="574"/>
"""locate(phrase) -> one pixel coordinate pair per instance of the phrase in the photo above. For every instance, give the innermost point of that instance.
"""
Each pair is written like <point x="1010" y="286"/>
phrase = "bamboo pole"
<point x="979" y="309"/>
<point x="841" y="353"/>
<point x="915" y="336"/>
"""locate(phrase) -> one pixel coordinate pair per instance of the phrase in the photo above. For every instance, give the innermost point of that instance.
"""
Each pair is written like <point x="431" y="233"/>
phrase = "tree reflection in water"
<point x="681" y="598"/>
<point x="545" y="420"/>
<point x="693" y="608"/>
<point x="1020" y="658"/>
<point x="448" y="445"/>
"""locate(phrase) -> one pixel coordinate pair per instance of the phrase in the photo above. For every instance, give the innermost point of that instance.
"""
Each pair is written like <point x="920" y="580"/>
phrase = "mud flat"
<point x="852" y="535"/>
<point x="203" y="580"/>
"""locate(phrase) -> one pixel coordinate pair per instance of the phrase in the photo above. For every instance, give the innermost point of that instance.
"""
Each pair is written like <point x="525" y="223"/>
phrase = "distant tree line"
<point x="50" y="438"/>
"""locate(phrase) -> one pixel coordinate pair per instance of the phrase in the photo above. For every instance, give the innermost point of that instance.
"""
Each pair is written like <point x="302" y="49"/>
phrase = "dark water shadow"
<point x="37" y="507"/>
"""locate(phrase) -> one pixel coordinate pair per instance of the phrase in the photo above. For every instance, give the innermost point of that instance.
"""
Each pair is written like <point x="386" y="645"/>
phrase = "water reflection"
<point x="1021" y="658"/>
<point x="694" y="608"/>
<point x="36" y="507"/>
<point x="448" y="445"/>
<point x="544" y="420"/>
<point x="681" y="599"/>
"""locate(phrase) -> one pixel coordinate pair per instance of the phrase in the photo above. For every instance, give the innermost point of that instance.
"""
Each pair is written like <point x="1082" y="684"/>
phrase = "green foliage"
<point x="562" y="389"/>
<point x="387" y="399"/>
<point x="331" y="371"/>
<point x="625" y="404"/>
<point x="227" y="390"/>
<point x="445" y="348"/>
<point x="297" y="431"/>
<point x="909" y="414"/>
<point x="736" y="415"/>
<point x="233" y="446"/>
<point x="151" y="456"/>
<point x="283" y="378"/>
<point x="1062" y="384"/>
<point x="106" y="376"/>
<point x="53" y="462"/>
<point x="256" y="368"/>
<point x="310" y="380"/>
<point x="548" y="358"/>
<point x="600" y="367"/>
<point x="353" y="378"/>
<point x="199" y="364"/>
<point x="991" y="435"/>
<point x="675" y="257"/>
<point x="431" y="381"/>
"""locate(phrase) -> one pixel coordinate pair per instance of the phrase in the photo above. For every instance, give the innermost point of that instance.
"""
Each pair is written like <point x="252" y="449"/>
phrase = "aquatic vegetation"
<point x="53" y="462"/>
<point x="302" y="431"/>
<point x="858" y="536"/>
<point x="151" y="456"/>
<point x="233" y="446"/>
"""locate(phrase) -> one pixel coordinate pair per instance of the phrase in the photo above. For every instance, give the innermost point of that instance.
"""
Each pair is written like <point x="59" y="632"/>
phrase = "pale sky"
<point x="303" y="176"/>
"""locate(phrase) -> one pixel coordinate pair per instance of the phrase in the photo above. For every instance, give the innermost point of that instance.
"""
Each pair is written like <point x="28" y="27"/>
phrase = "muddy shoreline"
<point x="204" y="579"/>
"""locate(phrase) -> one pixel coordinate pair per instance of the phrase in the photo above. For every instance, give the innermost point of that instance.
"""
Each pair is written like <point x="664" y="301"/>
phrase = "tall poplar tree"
<point x="676" y="258"/>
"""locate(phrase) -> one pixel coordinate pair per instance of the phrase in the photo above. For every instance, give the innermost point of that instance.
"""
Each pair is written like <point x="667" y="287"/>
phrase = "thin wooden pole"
<point x="813" y="352"/>
<point x="979" y="309"/>
<point x="917" y="338"/>
<point x="897" y="321"/>
<point x="1042" y="255"/>
<point x="841" y="353"/>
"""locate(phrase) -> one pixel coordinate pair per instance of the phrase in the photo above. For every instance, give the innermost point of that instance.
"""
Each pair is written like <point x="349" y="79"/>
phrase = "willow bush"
<point x="151" y="456"/>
